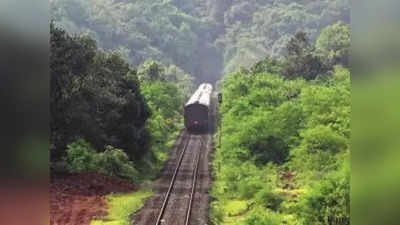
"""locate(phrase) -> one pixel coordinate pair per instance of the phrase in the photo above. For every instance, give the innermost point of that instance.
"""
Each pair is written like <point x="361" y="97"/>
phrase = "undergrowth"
<point x="122" y="206"/>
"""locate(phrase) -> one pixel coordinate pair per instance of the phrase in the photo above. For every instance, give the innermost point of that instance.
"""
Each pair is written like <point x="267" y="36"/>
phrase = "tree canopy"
<point x="334" y="43"/>
<point x="94" y="95"/>
<point x="203" y="37"/>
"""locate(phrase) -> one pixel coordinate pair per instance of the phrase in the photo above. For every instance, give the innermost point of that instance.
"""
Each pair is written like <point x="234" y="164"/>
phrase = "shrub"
<point x="268" y="199"/>
<point x="217" y="213"/>
<point x="329" y="202"/>
<point x="269" y="149"/>
<point x="318" y="149"/>
<point x="115" y="162"/>
<point x="249" y="187"/>
<point x="81" y="157"/>
<point x="261" y="216"/>
<point x="323" y="139"/>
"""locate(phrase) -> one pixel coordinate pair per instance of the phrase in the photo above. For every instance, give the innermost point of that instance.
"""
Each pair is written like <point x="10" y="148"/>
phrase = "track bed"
<point x="182" y="196"/>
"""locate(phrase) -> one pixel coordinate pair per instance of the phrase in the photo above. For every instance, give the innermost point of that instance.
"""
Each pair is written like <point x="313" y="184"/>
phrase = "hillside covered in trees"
<point x="284" y="156"/>
<point x="203" y="37"/>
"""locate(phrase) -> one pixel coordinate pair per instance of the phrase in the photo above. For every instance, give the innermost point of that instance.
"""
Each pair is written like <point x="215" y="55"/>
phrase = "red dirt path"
<point x="76" y="199"/>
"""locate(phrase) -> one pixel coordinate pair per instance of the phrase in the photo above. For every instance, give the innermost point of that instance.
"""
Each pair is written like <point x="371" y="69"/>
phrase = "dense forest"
<point x="284" y="156"/>
<point x="203" y="37"/>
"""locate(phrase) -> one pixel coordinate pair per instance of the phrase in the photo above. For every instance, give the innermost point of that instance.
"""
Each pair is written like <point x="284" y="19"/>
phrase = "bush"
<point x="249" y="187"/>
<point x="269" y="149"/>
<point x="114" y="162"/>
<point x="329" y="201"/>
<point x="217" y="213"/>
<point x="261" y="216"/>
<point x="318" y="149"/>
<point x="323" y="139"/>
<point x="268" y="199"/>
<point x="81" y="157"/>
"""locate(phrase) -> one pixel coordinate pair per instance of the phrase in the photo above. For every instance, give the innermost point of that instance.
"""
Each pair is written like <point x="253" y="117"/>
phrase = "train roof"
<point x="202" y="95"/>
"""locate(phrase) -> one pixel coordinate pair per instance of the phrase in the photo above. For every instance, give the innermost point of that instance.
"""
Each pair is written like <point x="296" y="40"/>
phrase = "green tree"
<point x="94" y="95"/>
<point x="267" y="65"/>
<point x="70" y="58"/>
<point x="301" y="60"/>
<point x="334" y="43"/>
<point x="151" y="70"/>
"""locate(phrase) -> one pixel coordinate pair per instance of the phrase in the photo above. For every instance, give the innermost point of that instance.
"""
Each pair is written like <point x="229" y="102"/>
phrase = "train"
<point x="197" y="111"/>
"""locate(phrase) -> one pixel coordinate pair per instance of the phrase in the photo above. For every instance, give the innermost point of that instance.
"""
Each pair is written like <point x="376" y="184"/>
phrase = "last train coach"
<point x="197" y="109"/>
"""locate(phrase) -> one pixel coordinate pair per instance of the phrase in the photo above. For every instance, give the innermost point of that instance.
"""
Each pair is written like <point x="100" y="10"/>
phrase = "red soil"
<point x="76" y="199"/>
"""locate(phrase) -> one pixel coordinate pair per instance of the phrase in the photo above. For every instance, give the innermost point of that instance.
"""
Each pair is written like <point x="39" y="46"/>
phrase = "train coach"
<point x="197" y="109"/>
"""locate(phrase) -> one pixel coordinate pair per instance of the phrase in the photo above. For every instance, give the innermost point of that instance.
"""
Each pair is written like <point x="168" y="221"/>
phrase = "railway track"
<point x="182" y="189"/>
<point x="191" y="138"/>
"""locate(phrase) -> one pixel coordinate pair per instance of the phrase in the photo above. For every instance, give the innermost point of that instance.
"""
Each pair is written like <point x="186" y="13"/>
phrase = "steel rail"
<point x="195" y="175"/>
<point x="172" y="182"/>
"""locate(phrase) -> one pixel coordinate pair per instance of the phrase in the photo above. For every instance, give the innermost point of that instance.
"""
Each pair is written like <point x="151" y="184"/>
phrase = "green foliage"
<point x="94" y="95"/>
<point x="114" y="162"/>
<point x="262" y="217"/>
<point x="98" y="96"/>
<point x="268" y="199"/>
<point x="334" y="43"/>
<point x="257" y="28"/>
<point x="203" y="37"/>
<point x="165" y="90"/>
<point x="236" y="207"/>
<point x="318" y="149"/>
<point x="301" y="60"/>
<point x="149" y="29"/>
<point x="281" y="139"/>
<point x="81" y="157"/>
<point x="267" y="65"/>
<point x="151" y="71"/>
<point x="164" y="97"/>
<point x="121" y="207"/>
<point x="248" y="186"/>
<point x="217" y="213"/>
<point x="329" y="202"/>
<point x="184" y="81"/>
